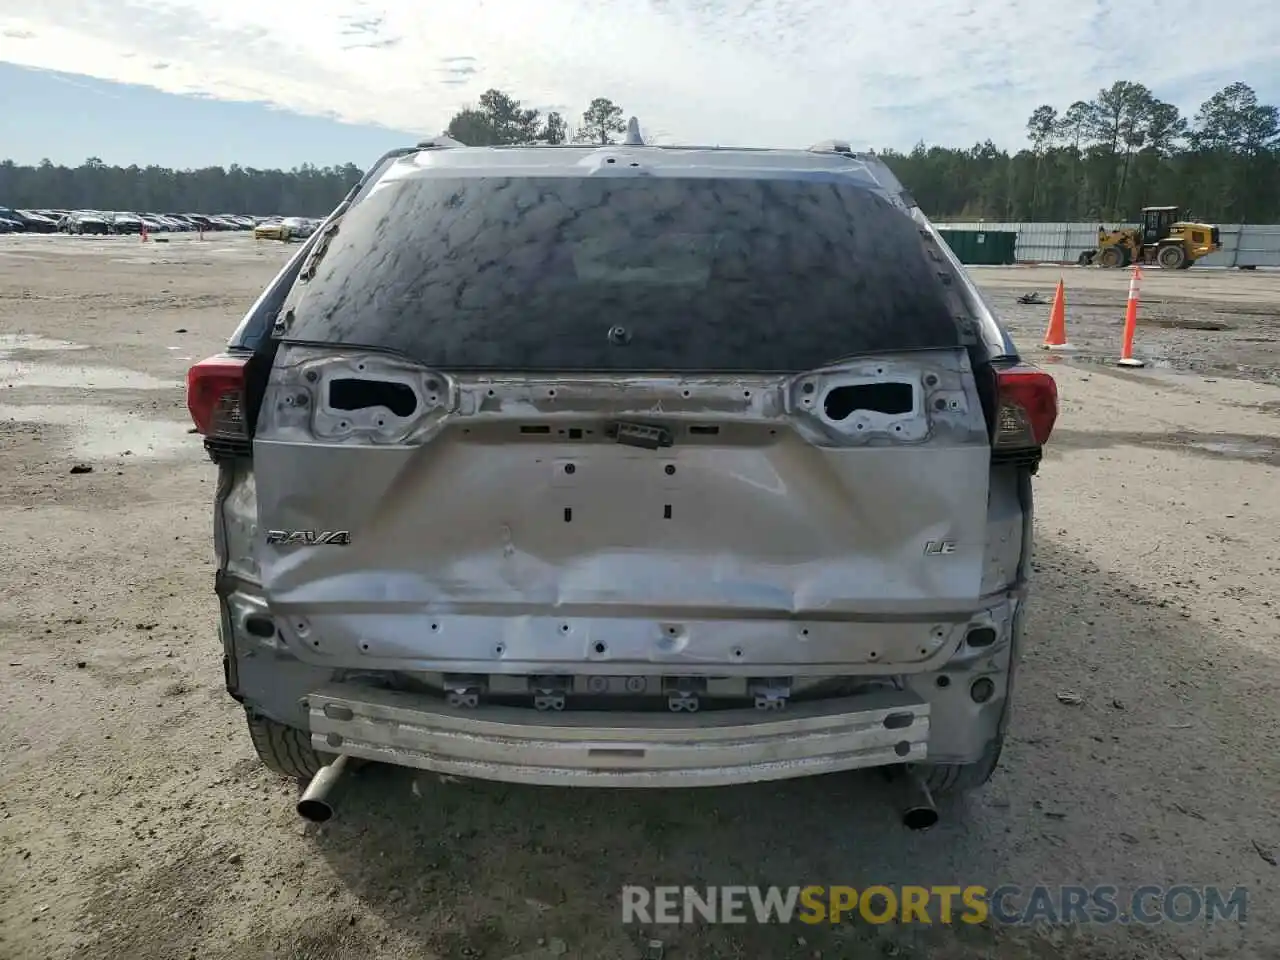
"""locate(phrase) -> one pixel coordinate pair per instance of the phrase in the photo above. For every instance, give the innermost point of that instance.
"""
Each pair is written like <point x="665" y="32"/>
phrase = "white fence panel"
<point x="1243" y="245"/>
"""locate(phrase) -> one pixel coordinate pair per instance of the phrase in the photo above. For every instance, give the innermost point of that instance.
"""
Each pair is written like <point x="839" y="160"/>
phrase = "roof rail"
<point x="633" y="134"/>
<point x="440" y="142"/>
<point x="831" y="146"/>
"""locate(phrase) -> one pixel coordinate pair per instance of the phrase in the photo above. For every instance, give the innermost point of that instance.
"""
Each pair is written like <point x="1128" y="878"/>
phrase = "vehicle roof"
<point x="1160" y="208"/>
<point x="828" y="162"/>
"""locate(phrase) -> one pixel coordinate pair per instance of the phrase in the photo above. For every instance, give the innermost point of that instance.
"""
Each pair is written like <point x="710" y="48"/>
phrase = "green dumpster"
<point x="982" y="247"/>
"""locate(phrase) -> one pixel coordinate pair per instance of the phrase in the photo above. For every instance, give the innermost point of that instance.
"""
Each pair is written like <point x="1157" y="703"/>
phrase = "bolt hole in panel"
<point x="481" y="644"/>
<point x="260" y="625"/>
<point x="981" y="637"/>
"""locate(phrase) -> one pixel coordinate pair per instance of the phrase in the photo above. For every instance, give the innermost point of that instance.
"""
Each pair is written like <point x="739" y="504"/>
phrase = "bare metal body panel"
<point x="478" y="541"/>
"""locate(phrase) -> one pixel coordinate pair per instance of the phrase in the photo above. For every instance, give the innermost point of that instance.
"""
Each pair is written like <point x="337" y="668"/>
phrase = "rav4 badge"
<point x="311" y="538"/>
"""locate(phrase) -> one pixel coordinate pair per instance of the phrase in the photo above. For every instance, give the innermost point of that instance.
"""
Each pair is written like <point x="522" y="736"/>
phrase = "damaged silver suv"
<point x="625" y="466"/>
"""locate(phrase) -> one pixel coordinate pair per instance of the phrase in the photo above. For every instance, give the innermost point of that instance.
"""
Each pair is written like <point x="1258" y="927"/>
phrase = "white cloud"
<point x="767" y="72"/>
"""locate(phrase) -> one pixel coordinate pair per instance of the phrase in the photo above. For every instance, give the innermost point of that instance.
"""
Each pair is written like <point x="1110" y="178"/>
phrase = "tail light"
<point x="1026" y="412"/>
<point x="215" y="398"/>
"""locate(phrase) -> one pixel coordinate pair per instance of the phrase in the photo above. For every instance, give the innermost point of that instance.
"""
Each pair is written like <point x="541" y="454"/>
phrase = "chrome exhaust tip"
<point x="920" y="812"/>
<point x="314" y="804"/>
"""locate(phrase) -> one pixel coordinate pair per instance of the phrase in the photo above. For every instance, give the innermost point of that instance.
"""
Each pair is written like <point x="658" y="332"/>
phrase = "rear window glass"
<point x="624" y="273"/>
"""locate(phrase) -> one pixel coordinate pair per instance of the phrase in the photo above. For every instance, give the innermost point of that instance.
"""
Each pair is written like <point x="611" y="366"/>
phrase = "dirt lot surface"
<point x="136" y="823"/>
<point x="1209" y="321"/>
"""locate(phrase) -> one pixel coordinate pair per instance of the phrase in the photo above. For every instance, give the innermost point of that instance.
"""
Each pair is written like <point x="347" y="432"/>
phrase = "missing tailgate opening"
<point x="890" y="398"/>
<point x="352" y="393"/>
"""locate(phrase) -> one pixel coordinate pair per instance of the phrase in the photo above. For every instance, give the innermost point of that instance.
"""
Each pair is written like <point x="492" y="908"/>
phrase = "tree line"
<point x="500" y="119"/>
<point x="1101" y="159"/>
<point x="308" y="190"/>
<point x="1106" y="158"/>
<point x="305" y="191"/>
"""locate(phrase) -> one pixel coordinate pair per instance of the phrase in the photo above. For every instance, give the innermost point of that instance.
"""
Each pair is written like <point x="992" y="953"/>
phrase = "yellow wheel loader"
<point x="1163" y="239"/>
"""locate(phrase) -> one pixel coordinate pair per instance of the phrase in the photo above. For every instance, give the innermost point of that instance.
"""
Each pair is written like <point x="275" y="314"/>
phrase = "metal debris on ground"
<point x="1032" y="297"/>
<point x="1071" y="699"/>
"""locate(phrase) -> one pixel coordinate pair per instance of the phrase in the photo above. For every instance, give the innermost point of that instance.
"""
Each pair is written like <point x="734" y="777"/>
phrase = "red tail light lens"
<point x="215" y="396"/>
<point x="1028" y="408"/>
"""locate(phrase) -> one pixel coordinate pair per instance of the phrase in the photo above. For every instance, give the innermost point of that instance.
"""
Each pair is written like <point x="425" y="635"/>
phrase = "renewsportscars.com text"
<point x="1006" y="904"/>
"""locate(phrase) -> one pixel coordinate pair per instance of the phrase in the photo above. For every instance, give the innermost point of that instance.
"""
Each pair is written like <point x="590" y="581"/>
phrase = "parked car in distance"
<point x="28" y="220"/>
<point x="129" y="222"/>
<point x="286" y="229"/>
<point x="272" y="229"/>
<point x="86" y="222"/>
<point x="717" y="468"/>
<point x="39" y="222"/>
<point x="126" y="223"/>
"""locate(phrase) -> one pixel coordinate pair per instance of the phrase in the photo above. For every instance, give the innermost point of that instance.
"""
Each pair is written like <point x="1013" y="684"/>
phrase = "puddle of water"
<point x="98" y="434"/>
<point x="23" y="373"/>
<point x="30" y="341"/>
<point x="1236" y="448"/>
<point x="1152" y="362"/>
<point x="1182" y="323"/>
<point x="27" y="373"/>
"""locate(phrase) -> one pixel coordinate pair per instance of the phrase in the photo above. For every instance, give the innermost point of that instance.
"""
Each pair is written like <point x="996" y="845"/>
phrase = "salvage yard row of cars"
<point x="106" y="223"/>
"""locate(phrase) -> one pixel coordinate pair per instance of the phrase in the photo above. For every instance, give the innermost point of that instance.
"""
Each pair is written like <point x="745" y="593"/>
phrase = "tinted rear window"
<point x="625" y="273"/>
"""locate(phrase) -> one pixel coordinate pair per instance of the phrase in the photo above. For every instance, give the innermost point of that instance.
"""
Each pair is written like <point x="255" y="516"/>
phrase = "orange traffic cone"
<point x="1127" y="358"/>
<point x="1055" y="338"/>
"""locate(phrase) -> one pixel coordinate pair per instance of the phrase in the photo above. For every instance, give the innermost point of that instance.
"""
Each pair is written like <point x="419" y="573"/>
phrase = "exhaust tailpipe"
<point x="920" y="812"/>
<point x="314" y="803"/>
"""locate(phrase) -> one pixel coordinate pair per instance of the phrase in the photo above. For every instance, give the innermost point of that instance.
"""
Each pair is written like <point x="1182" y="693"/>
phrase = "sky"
<point x="281" y="82"/>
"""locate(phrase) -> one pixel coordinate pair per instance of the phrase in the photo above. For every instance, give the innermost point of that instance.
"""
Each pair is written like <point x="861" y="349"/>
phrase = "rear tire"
<point x="284" y="750"/>
<point x="948" y="779"/>
<point x="1111" y="258"/>
<point x="1171" y="257"/>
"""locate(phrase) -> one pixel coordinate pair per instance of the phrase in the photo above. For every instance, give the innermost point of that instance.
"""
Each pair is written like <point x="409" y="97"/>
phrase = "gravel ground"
<point x="136" y="823"/>
<point x="1215" y="322"/>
